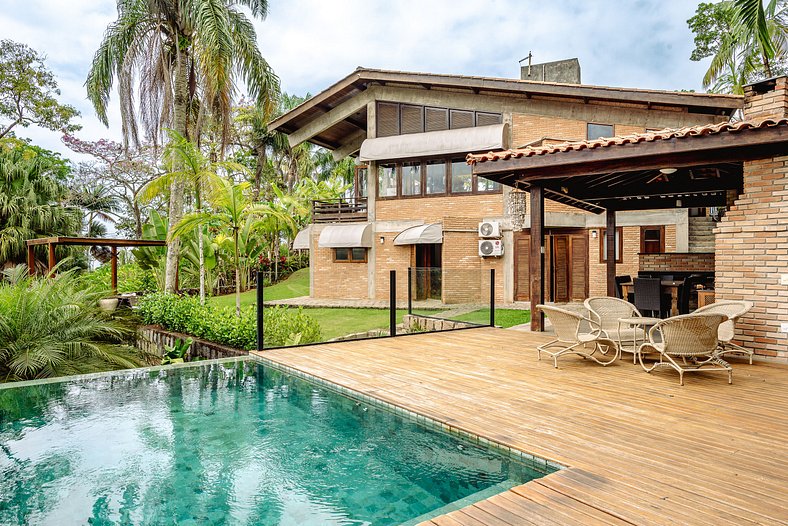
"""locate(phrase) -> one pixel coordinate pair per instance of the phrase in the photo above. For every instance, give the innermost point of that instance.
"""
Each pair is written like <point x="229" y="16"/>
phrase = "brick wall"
<point x="338" y="280"/>
<point x="680" y="262"/>
<point x="752" y="253"/>
<point x="466" y="276"/>
<point x="434" y="209"/>
<point x="391" y="257"/>
<point x="773" y="103"/>
<point x="527" y="128"/>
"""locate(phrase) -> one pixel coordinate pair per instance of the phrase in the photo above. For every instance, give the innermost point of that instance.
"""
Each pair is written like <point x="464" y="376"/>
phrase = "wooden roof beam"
<point x="331" y="118"/>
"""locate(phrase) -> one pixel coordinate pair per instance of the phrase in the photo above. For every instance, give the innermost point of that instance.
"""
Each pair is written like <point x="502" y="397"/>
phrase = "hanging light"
<point x="516" y="208"/>
<point x="667" y="171"/>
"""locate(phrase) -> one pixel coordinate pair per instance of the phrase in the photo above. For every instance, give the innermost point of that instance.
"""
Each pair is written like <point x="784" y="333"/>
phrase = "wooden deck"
<point x="639" y="448"/>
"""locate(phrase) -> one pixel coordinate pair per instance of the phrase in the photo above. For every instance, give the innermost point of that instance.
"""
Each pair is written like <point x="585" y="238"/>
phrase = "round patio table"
<point x="640" y="321"/>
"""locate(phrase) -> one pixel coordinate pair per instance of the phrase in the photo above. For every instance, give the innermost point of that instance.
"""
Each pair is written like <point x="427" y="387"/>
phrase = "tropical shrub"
<point x="131" y="278"/>
<point x="281" y="326"/>
<point x="54" y="327"/>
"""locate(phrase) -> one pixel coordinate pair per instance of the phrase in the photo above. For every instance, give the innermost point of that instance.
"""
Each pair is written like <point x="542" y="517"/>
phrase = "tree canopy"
<point x="28" y="92"/>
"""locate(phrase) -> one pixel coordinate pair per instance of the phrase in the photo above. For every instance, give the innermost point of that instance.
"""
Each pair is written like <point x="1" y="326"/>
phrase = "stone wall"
<point x="678" y="262"/>
<point x="413" y="322"/>
<point x="153" y="339"/>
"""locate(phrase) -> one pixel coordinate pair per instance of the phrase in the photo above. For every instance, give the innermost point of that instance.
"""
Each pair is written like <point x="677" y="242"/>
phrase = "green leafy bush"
<point x="131" y="278"/>
<point x="281" y="326"/>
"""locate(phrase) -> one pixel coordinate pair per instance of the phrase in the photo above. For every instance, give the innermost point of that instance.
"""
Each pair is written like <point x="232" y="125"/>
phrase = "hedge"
<point x="281" y="326"/>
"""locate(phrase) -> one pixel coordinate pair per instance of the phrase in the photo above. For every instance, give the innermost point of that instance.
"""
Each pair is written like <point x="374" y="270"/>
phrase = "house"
<point x="745" y="169"/>
<point x="417" y="203"/>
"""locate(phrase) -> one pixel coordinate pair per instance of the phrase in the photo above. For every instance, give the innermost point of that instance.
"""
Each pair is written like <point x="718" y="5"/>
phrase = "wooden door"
<point x="568" y="269"/>
<point x="522" y="278"/>
<point x="578" y="265"/>
<point x="561" y="269"/>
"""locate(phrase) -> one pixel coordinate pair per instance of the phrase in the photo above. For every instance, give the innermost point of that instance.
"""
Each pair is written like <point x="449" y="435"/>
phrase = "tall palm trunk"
<point x="237" y="275"/>
<point x="181" y="96"/>
<point x="198" y="202"/>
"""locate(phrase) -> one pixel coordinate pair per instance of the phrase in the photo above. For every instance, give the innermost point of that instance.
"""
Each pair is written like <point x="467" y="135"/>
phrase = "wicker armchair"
<point x="689" y="343"/>
<point x="733" y="310"/>
<point x="571" y="337"/>
<point x="605" y="311"/>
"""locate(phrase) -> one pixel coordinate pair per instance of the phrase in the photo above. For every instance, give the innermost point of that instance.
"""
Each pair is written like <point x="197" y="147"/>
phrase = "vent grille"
<point x="461" y="119"/>
<point x="388" y="119"/>
<point x="437" y="119"/>
<point x="412" y="119"/>
<point x="487" y="119"/>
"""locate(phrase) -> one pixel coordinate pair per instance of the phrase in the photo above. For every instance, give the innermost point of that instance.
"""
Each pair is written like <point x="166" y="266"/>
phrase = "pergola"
<point x="697" y="166"/>
<point x="52" y="242"/>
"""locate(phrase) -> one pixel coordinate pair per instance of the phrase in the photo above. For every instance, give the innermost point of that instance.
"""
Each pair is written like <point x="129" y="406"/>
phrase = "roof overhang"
<point x="301" y="241"/>
<point x="415" y="145"/>
<point x="351" y="235"/>
<point x="335" y="117"/>
<point x="623" y="173"/>
<point x="422" y="234"/>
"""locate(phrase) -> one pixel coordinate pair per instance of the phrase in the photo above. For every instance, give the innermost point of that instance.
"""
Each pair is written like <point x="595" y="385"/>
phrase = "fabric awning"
<point x="416" y="235"/>
<point x="346" y="236"/>
<point x="462" y="140"/>
<point x="301" y="241"/>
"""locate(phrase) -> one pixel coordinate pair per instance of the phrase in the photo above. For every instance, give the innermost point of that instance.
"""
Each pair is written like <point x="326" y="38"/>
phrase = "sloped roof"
<point x="607" y="142"/>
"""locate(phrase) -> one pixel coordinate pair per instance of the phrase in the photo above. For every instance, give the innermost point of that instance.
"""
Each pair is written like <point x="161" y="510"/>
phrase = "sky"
<point x="312" y="43"/>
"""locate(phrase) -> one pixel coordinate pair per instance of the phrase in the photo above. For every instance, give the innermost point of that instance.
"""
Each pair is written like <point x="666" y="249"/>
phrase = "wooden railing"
<point x="339" y="210"/>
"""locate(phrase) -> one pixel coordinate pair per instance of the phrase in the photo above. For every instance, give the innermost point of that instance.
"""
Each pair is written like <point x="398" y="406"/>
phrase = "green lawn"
<point x="503" y="317"/>
<point x="336" y="322"/>
<point x="296" y="285"/>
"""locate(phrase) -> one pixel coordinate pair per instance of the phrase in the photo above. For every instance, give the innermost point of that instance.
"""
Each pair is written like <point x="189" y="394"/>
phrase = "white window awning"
<point x="301" y="241"/>
<point x="461" y="140"/>
<point x="351" y="235"/>
<point x="417" y="235"/>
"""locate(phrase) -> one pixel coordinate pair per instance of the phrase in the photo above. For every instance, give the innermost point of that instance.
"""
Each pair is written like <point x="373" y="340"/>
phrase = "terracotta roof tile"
<point x="605" y="142"/>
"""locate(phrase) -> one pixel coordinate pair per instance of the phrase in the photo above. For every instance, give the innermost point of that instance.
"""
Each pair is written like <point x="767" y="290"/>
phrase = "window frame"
<point x="619" y="245"/>
<point x="661" y="230"/>
<point x="474" y="114"/>
<point x="588" y="129"/>
<point x="447" y="161"/>
<point x="350" y="259"/>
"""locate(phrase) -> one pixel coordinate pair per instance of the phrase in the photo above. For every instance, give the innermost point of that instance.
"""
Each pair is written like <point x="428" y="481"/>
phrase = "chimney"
<point x="562" y="71"/>
<point x="766" y="98"/>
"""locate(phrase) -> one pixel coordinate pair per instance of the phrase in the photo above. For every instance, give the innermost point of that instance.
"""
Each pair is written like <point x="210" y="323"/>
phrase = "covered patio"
<point x="702" y="166"/>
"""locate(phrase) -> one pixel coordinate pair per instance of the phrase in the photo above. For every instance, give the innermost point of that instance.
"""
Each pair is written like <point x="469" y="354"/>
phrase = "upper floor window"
<point x="394" y="118"/>
<point x="595" y="131"/>
<point x="431" y="177"/>
<point x="360" y="181"/>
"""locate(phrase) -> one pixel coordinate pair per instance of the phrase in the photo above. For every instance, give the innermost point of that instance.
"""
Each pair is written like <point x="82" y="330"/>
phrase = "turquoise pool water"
<point x="226" y="443"/>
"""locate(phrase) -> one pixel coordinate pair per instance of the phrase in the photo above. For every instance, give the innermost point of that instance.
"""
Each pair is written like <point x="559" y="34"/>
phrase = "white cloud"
<point x="313" y="43"/>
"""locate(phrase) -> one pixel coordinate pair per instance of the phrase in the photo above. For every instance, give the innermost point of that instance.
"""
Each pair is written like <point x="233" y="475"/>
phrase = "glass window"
<point x="595" y="131"/>
<point x="485" y="185"/>
<point x="350" y="255"/>
<point x="460" y="176"/>
<point x="387" y="180"/>
<point x="361" y="181"/>
<point x="652" y="239"/>
<point x="411" y="179"/>
<point x="436" y="177"/>
<point x="603" y="245"/>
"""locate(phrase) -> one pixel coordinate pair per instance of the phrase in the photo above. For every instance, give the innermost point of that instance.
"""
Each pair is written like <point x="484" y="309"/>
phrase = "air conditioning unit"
<point x="490" y="248"/>
<point x="489" y="229"/>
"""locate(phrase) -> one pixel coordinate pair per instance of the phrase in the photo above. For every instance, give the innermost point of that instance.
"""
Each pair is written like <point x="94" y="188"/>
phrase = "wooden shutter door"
<point x="579" y="267"/>
<point x="522" y="279"/>
<point x="561" y="271"/>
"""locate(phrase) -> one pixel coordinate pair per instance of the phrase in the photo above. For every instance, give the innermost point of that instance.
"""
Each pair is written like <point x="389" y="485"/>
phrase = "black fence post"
<point x="410" y="290"/>
<point x="393" y="302"/>
<point x="260" y="291"/>
<point x="492" y="297"/>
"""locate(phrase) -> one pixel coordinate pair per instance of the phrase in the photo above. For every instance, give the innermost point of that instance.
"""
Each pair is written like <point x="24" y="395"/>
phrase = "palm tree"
<point x="754" y="36"/>
<point x="54" y="327"/>
<point x="186" y="56"/>
<point x="30" y="203"/>
<point x="231" y="211"/>
<point x="196" y="170"/>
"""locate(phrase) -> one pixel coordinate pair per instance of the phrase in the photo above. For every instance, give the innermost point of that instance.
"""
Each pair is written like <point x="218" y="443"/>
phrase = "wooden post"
<point x="114" y="267"/>
<point x="52" y="261"/>
<point x="536" y="259"/>
<point x="610" y="234"/>
<point x="31" y="260"/>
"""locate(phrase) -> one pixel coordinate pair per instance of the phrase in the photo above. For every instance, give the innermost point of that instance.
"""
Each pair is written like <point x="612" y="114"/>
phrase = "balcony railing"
<point x="339" y="210"/>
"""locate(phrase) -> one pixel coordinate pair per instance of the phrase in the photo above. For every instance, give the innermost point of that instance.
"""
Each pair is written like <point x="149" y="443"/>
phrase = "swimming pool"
<point x="228" y="442"/>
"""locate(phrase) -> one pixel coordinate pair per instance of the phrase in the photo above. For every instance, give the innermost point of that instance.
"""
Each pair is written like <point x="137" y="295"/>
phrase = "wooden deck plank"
<point x="640" y="448"/>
